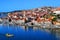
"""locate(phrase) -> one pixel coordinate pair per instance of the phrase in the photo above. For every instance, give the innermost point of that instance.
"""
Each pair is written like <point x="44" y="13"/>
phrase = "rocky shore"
<point x="45" y="16"/>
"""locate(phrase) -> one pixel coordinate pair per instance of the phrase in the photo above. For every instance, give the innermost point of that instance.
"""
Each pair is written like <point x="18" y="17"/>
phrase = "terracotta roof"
<point x="58" y="8"/>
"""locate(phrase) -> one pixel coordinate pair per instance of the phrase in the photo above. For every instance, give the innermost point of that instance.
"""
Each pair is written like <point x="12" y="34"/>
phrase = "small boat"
<point x="9" y="35"/>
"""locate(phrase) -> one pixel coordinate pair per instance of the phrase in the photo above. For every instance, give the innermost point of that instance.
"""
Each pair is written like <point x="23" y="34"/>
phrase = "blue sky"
<point x="11" y="5"/>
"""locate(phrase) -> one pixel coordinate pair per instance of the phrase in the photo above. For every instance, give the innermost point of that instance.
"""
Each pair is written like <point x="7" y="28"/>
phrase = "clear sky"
<point x="11" y="5"/>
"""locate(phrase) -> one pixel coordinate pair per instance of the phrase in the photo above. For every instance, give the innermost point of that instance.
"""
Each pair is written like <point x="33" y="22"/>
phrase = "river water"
<point x="27" y="33"/>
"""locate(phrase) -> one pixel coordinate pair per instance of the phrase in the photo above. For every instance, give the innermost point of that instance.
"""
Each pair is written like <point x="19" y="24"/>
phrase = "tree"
<point x="54" y="19"/>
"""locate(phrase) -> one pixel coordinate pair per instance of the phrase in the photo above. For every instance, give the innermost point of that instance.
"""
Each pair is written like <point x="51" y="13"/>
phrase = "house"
<point x="56" y="11"/>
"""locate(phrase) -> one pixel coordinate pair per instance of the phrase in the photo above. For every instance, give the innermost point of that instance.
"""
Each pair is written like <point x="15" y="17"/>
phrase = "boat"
<point x="9" y="35"/>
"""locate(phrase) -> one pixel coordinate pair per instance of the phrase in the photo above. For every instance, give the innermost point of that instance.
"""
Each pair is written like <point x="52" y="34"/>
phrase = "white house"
<point x="57" y="12"/>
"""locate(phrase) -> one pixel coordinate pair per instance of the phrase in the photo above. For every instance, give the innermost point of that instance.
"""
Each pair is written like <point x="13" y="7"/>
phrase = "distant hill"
<point x="42" y="9"/>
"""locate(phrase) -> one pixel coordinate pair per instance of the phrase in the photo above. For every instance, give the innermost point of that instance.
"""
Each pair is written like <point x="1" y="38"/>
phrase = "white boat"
<point x="9" y="35"/>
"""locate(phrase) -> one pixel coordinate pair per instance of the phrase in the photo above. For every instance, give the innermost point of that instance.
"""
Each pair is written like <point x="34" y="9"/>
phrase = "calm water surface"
<point x="30" y="33"/>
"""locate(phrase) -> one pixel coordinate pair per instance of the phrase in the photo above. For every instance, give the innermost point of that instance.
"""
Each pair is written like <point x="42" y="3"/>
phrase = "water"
<point x="27" y="33"/>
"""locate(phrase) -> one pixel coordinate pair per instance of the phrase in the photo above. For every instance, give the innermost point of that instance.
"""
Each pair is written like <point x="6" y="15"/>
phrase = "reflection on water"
<point x="28" y="33"/>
